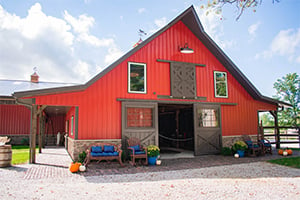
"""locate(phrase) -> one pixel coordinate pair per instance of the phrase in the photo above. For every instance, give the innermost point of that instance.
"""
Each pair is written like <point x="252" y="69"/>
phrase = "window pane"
<point x="208" y="117"/>
<point x="72" y="125"/>
<point x="139" y="117"/>
<point x="221" y="89"/>
<point x="137" y="78"/>
<point x="221" y="84"/>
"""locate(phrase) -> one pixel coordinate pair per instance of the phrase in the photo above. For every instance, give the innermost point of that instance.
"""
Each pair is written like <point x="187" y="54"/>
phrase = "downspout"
<point x="28" y="105"/>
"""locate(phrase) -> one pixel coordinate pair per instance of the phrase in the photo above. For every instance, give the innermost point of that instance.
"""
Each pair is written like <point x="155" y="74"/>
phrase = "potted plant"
<point x="240" y="147"/>
<point x="153" y="152"/>
<point x="81" y="159"/>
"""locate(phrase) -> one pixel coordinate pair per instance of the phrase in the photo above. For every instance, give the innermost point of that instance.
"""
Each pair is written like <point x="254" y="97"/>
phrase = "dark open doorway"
<point x="176" y="128"/>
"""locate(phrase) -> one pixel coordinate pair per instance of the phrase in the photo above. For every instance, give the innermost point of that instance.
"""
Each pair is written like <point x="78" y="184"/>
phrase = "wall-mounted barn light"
<point x="186" y="49"/>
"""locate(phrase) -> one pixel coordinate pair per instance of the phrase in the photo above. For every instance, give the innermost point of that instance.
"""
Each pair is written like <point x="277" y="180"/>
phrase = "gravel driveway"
<point x="256" y="180"/>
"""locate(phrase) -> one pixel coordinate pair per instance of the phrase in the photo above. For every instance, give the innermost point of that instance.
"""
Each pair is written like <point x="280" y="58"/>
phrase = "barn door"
<point x="140" y="120"/>
<point x="207" y="129"/>
<point x="182" y="80"/>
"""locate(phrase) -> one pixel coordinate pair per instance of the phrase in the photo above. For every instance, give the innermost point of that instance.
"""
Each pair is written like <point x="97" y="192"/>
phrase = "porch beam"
<point x="176" y="102"/>
<point x="172" y="61"/>
<point x="41" y="108"/>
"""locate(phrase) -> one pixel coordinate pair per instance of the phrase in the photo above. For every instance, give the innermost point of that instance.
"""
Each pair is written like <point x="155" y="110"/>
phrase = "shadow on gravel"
<point x="51" y="165"/>
<point x="212" y="166"/>
<point x="17" y="168"/>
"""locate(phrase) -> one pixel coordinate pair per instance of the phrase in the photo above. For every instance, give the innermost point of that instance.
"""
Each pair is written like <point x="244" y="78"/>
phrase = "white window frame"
<point x="215" y="84"/>
<point x="145" y="78"/>
<point x="72" y="125"/>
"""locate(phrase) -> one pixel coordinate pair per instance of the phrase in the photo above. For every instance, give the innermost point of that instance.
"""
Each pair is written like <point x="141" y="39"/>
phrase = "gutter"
<point x="27" y="104"/>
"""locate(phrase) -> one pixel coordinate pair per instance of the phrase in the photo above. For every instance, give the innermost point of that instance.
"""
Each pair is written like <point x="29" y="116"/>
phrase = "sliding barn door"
<point x="140" y="120"/>
<point x="183" y="80"/>
<point x="207" y="129"/>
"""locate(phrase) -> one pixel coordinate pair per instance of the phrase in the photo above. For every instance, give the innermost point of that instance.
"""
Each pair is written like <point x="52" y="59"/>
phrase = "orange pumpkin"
<point x="280" y="151"/>
<point x="74" y="167"/>
<point x="290" y="151"/>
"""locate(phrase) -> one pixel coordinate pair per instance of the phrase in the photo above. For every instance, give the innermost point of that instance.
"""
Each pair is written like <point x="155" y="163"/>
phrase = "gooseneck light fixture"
<point x="186" y="49"/>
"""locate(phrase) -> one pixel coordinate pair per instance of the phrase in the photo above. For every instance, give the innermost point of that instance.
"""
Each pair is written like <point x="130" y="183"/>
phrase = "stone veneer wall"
<point x="75" y="147"/>
<point x="19" y="139"/>
<point x="228" y="141"/>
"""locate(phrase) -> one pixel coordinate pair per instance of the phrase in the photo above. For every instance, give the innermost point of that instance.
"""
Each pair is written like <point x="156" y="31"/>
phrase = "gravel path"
<point x="253" y="180"/>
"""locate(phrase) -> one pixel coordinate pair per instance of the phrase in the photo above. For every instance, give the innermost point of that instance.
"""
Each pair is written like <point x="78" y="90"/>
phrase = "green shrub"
<point x="239" y="145"/>
<point x="226" y="151"/>
<point x="25" y="141"/>
<point x="81" y="157"/>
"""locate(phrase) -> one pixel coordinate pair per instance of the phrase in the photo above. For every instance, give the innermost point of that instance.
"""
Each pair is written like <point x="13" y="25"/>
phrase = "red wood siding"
<point x="14" y="120"/>
<point x="69" y="118"/>
<point x="55" y="124"/>
<point x="100" y="112"/>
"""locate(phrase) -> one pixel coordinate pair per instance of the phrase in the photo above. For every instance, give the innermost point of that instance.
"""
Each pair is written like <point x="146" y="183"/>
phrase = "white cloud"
<point x="141" y="10"/>
<point x="253" y="29"/>
<point x="159" y="23"/>
<point x="82" y="68"/>
<point x="62" y="49"/>
<point x="285" y="43"/>
<point x="213" y="26"/>
<point x="113" y="54"/>
<point x="80" y="25"/>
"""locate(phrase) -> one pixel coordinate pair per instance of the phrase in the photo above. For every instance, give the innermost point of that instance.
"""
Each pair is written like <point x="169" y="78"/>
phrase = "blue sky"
<point x="72" y="41"/>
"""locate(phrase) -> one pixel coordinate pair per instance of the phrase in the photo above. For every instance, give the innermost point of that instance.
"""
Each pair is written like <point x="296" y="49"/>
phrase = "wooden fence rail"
<point x="280" y="135"/>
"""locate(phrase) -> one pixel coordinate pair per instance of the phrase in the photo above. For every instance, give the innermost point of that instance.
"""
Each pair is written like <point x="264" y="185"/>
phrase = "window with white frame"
<point x="72" y="125"/>
<point x="221" y="87"/>
<point x="137" y="82"/>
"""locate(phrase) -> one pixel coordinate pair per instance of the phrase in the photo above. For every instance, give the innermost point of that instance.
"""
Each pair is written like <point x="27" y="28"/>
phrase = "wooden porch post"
<point x="40" y="132"/>
<point x="33" y="134"/>
<point x="41" y="126"/>
<point x="277" y="131"/>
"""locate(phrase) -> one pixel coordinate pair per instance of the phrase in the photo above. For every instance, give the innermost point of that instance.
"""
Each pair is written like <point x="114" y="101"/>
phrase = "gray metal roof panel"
<point x="8" y="87"/>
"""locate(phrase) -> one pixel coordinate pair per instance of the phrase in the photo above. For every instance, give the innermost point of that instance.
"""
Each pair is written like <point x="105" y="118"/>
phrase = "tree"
<point x="216" y="6"/>
<point x="266" y="118"/>
<point x="288" y="90"/>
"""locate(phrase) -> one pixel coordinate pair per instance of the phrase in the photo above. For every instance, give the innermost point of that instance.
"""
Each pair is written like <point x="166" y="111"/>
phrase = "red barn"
<point x="15" y="119"/>
<point x="177" y="89"/>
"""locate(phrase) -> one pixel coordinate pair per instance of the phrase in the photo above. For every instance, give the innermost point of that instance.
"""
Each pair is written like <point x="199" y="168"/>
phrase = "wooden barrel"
<point x="5" y="155"/>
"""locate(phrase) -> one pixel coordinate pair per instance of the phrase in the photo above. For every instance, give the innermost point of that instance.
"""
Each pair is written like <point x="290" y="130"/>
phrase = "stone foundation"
<point x="228" y="141"/>
<point x="18" y="139"/>
<point x="75" y="147"/>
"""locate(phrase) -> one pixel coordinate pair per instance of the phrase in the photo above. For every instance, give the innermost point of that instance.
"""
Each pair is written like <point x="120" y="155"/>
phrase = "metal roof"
<point x="8" y="87"/>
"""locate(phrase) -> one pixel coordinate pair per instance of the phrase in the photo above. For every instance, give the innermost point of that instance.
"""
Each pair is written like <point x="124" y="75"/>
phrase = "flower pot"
<point x="241" y="153"/>
<point x="152" y="160"/>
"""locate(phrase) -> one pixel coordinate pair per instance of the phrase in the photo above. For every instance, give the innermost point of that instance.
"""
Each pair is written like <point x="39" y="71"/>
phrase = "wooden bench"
<point x="103" y="151"/>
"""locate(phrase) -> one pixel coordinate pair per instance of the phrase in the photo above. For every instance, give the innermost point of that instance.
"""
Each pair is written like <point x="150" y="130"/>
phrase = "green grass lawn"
<point x="288" y="161"/>
<point x="20" y="154"/>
